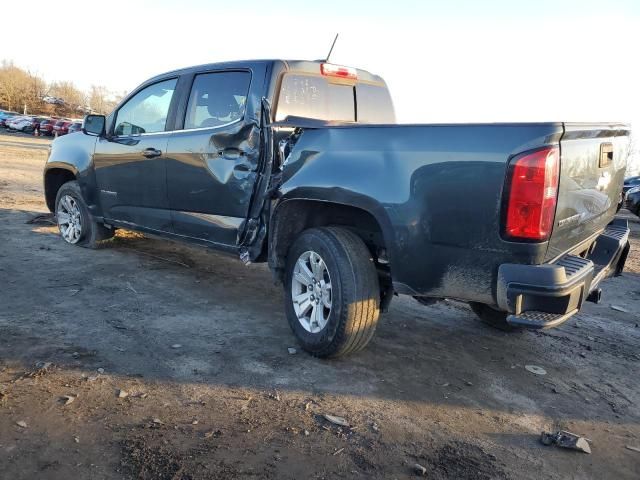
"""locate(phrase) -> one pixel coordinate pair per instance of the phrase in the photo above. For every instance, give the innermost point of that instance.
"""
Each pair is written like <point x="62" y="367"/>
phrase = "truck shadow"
<point x="173" y="314"/>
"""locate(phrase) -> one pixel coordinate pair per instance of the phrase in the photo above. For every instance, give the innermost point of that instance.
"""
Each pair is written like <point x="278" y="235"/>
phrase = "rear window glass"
<point x="374" y="104"/>
<point x="314" y="97"/>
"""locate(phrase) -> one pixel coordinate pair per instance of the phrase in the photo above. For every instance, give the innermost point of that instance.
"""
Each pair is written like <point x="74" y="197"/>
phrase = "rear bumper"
<point x="544" y="296"/>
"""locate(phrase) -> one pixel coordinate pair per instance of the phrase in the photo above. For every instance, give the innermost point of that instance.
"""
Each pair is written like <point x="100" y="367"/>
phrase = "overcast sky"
<point x="446" y="61"/>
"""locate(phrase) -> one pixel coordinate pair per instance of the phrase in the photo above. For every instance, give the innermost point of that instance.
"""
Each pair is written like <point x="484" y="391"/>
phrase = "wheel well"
<point x="295" y="216"/>
<point x="53" y="180"/>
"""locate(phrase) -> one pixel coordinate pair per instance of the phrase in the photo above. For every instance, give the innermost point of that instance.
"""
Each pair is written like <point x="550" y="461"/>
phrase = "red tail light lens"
<point x="532" y="192"/>
<point x="331" y="70"/>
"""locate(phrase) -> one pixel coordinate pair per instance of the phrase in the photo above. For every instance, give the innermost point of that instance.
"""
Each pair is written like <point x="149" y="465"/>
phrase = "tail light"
<point x="331" y="70"/>
<point x="531" y="194"/>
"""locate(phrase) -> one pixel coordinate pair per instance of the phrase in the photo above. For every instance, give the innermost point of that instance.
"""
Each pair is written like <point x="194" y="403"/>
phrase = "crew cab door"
<point x="212" y="160"/>
<point x="130" y="162"/>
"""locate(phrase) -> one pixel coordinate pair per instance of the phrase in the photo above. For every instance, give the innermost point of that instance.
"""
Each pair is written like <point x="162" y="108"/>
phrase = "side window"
<point x="217" y="99"/>
<point x="147" y="110"/>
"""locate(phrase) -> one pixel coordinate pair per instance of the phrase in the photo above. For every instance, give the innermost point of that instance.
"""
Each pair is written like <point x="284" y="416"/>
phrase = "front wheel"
<point x="75" y="222"/>
<point x="332" y="295"/>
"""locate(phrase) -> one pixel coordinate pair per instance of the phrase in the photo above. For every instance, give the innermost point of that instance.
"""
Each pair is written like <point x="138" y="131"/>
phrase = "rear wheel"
<point x="491" y="316"/>
<point x="332" y="294"/>
<point x="75" y="223"/>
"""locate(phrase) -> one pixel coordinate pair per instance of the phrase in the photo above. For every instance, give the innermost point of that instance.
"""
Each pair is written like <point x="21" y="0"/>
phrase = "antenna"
<point x="331" y="49"/>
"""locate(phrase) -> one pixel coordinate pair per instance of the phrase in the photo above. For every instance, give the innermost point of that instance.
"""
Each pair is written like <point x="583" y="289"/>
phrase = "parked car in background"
<point x="46" y="126"/>
<point x="629" y="183"/>
<point x="16" y="122"/>
<point x="75" y="127"/>
<point x="19" y="123"/>
<point x="29" y="124"/>
<point x="4" y="114"/>
<point x="632" y="201"/>
<point x="61" y="127"/>
<point x="4" y="122"/>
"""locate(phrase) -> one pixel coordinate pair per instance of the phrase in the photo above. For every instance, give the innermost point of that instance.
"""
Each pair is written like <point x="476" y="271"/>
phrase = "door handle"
<point x="232" y="153"/>
<point x="151" y="152"/>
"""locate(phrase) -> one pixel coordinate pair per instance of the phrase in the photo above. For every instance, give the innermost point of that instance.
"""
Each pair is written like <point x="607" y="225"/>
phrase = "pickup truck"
<point x="301" y="164"/>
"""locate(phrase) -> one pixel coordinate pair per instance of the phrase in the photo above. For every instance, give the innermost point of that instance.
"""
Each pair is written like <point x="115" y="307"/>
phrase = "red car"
<point x="46" y="126"/>
<point x="61" y="127"/>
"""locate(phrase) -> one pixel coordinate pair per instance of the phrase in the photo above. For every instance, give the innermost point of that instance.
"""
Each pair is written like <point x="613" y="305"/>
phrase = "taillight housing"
<point x="530" y="195"/>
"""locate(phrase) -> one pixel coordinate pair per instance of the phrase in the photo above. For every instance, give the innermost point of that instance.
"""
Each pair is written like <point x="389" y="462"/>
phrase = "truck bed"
<point x="437" y="192"/>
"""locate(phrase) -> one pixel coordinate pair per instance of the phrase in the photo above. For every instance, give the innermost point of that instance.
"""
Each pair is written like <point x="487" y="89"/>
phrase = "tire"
<point x="86" y="232"/>
<point x="348" y="324"/>
<point x="493" y="317"/>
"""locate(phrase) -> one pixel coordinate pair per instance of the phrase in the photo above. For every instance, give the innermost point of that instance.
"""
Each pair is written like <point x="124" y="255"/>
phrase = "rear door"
<point x="593" y="159"/>
<point x="213" y="158"/>
<point x="130" y="165"/>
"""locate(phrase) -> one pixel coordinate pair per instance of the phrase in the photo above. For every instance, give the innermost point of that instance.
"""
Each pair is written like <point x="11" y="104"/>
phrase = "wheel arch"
<point x="295" y="214"/>
<point x="56" y="175"/>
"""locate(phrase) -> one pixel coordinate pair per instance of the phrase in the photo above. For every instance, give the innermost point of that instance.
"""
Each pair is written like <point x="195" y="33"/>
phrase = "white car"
<point x="22" y="124"/>
<point x="13" y="124"/>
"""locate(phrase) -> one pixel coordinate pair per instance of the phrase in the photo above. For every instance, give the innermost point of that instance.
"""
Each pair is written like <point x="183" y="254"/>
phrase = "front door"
<point x="131" y="170"/>
<point x="212" y="161"/>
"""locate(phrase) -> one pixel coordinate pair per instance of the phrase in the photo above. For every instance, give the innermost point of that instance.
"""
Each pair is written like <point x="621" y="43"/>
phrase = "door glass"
<point x="147" y="110"/>
<point x="217" y="99"/>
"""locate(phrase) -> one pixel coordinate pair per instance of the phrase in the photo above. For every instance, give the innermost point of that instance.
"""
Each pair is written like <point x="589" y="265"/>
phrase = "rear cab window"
<point x="317" y="97"/>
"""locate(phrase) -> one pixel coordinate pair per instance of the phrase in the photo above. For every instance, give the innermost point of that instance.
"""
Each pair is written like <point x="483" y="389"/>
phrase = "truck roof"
<point x="303" y="66"/>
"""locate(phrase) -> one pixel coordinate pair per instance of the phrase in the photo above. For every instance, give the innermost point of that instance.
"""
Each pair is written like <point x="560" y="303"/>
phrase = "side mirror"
<point x="94" y="125"/>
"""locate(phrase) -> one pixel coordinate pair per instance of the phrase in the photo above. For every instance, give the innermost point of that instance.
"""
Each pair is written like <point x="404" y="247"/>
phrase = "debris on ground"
<point x="122" y="393"/>
<point x="21" y="423"/>
<point x="157" y="421"/>
<point x="100" y="370"/>
<point x="340" y="450"/>
<point x="535" y="369"/>
<point x="67" y="399"/>
<point x="292" y="351"/>
<point x="566" y="439"/>
<point x="275" y="396"/>
<point x="635" y="449"/>
<point x="176" y="345"/>
<point x="76" y="439"/>
<point x="42" y="219"/>
<point x="419" y="469"/>
<point x="618" y="308"/>
<point x="336" y="420"/>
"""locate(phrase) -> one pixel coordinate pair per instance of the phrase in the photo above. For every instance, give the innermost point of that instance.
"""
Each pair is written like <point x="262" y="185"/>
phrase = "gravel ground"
<point x="174" y="364"/>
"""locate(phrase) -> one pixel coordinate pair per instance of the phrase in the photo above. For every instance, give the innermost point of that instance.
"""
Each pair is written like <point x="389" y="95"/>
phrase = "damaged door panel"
<point x="212" y="161"/>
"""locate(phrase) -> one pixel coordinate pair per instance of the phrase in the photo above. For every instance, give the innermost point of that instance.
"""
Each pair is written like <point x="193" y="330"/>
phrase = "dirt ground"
<point x="198" y="344"/>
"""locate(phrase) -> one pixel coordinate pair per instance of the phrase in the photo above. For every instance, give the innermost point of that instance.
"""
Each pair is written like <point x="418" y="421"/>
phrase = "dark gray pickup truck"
<point x="301" y="164"/>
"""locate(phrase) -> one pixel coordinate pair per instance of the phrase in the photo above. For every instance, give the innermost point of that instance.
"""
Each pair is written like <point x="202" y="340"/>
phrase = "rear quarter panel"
<point x="435" y="190"/>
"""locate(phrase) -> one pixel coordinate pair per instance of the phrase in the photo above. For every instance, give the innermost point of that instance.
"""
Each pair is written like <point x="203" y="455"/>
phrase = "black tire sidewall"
<point x="73" y="190"/>
<point x="312" y="241"/>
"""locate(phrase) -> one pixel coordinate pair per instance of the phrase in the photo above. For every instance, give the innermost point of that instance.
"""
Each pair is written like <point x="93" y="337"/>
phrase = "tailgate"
<point x="593" y="160"/>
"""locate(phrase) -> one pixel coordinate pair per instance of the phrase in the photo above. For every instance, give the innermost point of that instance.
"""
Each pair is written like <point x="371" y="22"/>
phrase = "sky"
<point x="445" y="61"/>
